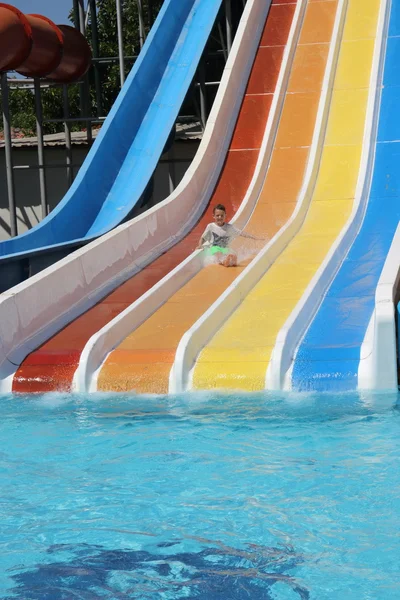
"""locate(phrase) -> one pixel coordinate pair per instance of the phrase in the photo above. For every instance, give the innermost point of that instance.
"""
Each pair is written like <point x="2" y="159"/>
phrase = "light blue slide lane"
<point x="128" y="147"/>
<point x="329" y="355"/>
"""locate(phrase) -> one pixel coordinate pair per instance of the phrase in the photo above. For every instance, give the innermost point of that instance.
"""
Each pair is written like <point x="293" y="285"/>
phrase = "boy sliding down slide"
<point x="218" y="236"/>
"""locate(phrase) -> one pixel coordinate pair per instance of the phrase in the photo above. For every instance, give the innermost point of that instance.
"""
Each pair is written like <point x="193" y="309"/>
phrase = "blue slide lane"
<point x="123" y="158"/>
<point x="329" y="355"/>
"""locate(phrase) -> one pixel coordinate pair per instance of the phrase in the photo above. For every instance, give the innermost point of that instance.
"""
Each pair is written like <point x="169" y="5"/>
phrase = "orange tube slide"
<point x="143" y="360"/>
<point x="35" y="47"/>
<point x="51" y="367"/>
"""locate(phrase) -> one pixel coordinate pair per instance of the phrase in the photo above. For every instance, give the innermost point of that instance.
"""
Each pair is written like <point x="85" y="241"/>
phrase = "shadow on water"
<point x="89" y="572"/>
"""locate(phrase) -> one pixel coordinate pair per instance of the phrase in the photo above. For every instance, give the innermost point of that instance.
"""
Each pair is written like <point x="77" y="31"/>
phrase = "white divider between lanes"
<point x="378" y="361"/>
<point x="203" y="330"/>
<point x="289" y="337"/>
<point x="33" y="311"/>
<point x="112" y="334"/>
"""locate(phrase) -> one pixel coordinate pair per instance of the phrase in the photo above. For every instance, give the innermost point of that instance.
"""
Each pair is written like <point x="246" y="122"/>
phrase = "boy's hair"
<point x="219" y="207"/>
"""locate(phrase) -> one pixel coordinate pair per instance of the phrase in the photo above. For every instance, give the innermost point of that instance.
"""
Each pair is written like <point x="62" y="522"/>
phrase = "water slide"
<point x="34" y="310"/>
<point x="146" y="360"/>
<point x="354" y="352"/>
<point x="196" y="327"/>
<point x="128" y="146"/>
<point x="243" y="350"/>
<point x="34" y="46"/>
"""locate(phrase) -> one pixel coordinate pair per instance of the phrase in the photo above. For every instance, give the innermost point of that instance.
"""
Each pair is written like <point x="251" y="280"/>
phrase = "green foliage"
<point x="22" y="109"/>
<point x="108" y="40"/>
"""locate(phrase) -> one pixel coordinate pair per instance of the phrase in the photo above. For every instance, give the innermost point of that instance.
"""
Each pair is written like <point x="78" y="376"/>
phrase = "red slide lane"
<point x="51" y="366"/>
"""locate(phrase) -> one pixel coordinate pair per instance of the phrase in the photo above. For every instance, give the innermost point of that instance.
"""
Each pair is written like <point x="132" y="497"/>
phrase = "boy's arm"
<point x="200" y="243"/>
<point x="202" y="239"/>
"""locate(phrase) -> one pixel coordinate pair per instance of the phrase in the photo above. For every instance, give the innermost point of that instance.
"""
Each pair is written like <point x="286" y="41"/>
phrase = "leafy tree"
<point x="22" y="109"/>
<point x="108" y="41"/>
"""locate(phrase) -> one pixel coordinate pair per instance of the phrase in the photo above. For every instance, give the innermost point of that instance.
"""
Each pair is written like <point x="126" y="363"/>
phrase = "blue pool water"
<point x="200" y="496"/>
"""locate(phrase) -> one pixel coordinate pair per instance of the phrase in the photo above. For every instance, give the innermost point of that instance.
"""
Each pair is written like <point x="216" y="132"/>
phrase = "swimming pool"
<point x="200" y="496"/>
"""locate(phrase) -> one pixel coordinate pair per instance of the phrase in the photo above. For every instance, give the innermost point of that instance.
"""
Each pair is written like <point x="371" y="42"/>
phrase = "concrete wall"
<point x="27" y="180"/>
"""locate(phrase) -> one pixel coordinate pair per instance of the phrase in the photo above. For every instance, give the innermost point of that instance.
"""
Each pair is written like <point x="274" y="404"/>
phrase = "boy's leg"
<point x="223" y="256"/>
<point x="230" y="260"/>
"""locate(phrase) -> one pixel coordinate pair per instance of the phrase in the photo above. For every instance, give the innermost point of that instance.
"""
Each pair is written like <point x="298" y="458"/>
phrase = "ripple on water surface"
<point x="200" y="496"/>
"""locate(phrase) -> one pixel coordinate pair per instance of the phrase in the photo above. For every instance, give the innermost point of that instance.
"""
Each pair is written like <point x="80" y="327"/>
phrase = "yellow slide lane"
<point x="238" y="355"/>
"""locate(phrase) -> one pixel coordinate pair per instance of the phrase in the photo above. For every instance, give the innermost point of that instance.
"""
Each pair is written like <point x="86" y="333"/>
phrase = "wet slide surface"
<point x="51" y="367"/>
<point x="238" y="355"/>
<point x="157" y="339"/>
<point x="329" y="357"/>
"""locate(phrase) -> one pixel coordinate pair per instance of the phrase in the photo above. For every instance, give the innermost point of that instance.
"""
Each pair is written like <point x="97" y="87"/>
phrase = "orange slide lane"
<point x="143" y="361"/>
<point x="51" y="366"/>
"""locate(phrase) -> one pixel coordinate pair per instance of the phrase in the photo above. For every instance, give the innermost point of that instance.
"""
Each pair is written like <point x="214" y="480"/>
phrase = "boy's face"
<point x="219" y="217"/>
